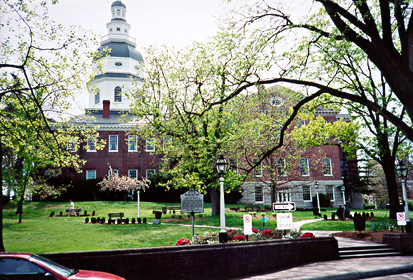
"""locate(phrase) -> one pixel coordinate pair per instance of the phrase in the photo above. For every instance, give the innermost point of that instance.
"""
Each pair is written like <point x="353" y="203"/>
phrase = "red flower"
<point x="268" y="232"/>
<point x="254" y="230"/>
<point x="307" y="235"/>
<point x="183" y="241"/>
<point x="240" y="238"/>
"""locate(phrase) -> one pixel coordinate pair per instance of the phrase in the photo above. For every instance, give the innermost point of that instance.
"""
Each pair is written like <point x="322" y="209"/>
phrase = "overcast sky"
<point x="153" y="22"/>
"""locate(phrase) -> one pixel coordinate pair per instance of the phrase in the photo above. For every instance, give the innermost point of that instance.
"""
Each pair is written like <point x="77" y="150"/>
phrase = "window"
<point x="150" y="145"/>
<point x="118" y="94"/>
<point x="114" y="171"/>
<point x="281" y="167"/>
<point x="132" y="143"/>
<point x="233" y="165"/>
<point x="304" y="169"/>
<point x="257" y="170"/>
<point x="91" y="144"/>
<point x="306" y="193"/>
<point x="71" y="144"/>
<point x="327" y="170"/>
<point x="118" y="13"/>
<point x="330" y="192"/>
<point x="97" y="96"/>
<point x="133" y="173"/>
<point x="90" y="174"/>
<point x="117" y="28"/>
<point x="150" y="172"/>
<point x="259" y="195"/>
<point x="113" y="143"/>
<point x="283" y="196"/>
<point x="20" y="269"/>
<point x="167" y="140"/>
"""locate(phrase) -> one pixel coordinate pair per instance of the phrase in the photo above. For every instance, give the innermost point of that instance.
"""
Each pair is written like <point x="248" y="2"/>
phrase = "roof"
<point x="118" y="3"/>
<point x="120" y="49"/>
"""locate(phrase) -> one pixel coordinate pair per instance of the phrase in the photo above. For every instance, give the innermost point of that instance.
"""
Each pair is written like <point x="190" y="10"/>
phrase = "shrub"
<point x="85" y="213"/>
<point x="110" y="221"/>
<point x="52" y="214"/>
<point x="307" y="235"/>
<point x="372" y="214"/>
<point x="207" y="238"/>
<point x="98" y="220"/>
<point x="102" y="220"/>
<point x="133" y="221"/>
<point x="93" y="213"/>
<point x="139" y="220"/>
<point x="127" y="221"/>
<point x="325" y="217"/>
<point x="144" y="220"/>
<point x="93" y="220"/>
<point x="86" y="220"/>
<point x="267" y="232"/>
<point x="231" y="233"/>
<point x="183" y="241"/>
<point x="333" y="216"/>
<point x="368" y="206"/>
<point x="119" y="221"/>
<point x="61" y="213"/>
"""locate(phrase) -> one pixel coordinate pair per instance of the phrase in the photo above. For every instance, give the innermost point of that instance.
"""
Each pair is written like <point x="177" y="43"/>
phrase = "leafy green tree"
<point x="44" y="66"/>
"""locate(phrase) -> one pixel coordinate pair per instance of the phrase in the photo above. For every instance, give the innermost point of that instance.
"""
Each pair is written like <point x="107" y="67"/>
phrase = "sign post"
<point x="192" y="202"/>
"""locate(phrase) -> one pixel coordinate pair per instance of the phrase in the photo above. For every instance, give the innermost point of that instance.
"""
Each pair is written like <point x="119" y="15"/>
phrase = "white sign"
<point x="283" y="206"/>
<point x="284" y="220"/>
<point x="247" y="224"/>
<point x="192" y="201"/>
<point x="401" y="219"/>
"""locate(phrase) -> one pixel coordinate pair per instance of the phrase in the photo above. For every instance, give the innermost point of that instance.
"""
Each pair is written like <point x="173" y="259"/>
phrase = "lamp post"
<point x="318" y="198"/>
<point x="138" y="199"/>
<point x="222" y="169"/>
<point x="401" y="171"/>
<point x="343" y="191"/>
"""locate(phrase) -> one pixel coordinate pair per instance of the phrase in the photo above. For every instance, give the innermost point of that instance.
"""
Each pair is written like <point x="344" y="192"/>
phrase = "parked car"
<point x="22" y="266"/>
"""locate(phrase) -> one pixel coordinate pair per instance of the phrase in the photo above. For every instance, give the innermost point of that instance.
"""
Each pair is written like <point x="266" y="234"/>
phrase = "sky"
<point x="153" y="22"/>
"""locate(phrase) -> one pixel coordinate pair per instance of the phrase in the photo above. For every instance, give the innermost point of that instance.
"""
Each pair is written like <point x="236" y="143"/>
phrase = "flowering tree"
<point x="114" y="182"/>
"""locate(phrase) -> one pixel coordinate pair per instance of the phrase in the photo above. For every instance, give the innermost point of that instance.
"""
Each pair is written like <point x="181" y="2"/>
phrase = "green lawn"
<point x="39" y="233"/>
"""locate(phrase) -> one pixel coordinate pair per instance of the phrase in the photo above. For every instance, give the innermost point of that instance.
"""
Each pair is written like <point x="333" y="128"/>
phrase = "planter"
<point x="359" y="222"/>
<point x="158" y="215"/>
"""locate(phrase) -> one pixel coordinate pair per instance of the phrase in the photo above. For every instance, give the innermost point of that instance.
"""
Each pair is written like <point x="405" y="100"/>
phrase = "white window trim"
<point x="129" y="172"/>
<point x="255" y="197"/>
<point x="115" y="170"/>
<point x="71" y="144"/>
<point x="307" y="168"/>
<point x="88" y="172"/>
<point x="235" y="161"/>
<point x="283" y="168"/>
<point x="136" y="143"/>
<point x="331" y="168"/>
<point x="91" y="138"/>
<point x="117" y="144"/>
<point x="153" y="144"/>
<point x="334" y="192"/>
<point x="311" y="195"/>
<point x="261" y="173"/>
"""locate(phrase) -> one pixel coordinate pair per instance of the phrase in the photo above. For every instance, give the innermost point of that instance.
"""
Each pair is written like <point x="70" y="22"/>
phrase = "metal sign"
<point x="401" y="219"/>
<point x="192" y="201"/>
<point x="283" y="206"/>
<point x="247" y="224"/>
<point x="284" y="220"/>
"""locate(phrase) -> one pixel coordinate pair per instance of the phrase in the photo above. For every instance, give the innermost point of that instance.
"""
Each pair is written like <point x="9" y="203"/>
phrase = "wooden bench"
<point x="171" y="208"/>
<point x="119" y="215"/>
<point x="77" y="211"/>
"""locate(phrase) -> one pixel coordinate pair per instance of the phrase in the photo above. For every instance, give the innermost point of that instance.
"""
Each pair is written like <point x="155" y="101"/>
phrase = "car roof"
<point x="15" y="255"/>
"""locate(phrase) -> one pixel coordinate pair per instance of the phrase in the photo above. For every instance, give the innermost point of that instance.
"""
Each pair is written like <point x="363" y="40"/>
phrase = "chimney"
<point x="106" y="108"/>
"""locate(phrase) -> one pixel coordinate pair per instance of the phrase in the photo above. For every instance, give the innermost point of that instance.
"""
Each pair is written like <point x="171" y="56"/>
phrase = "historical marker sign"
<point x="192" y="201"/>
<point x="283" y="206"/>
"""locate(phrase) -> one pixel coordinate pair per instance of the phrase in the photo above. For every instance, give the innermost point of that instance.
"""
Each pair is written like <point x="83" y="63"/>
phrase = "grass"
<point x="39" y="233"/>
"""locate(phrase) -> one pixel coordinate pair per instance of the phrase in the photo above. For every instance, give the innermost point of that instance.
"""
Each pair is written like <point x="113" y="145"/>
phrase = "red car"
<point x="24" y="266"/>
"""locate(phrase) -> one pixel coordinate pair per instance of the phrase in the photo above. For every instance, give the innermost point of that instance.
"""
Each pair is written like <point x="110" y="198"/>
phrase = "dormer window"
<point x="118" y="13"/>
<point x="117" y="28"/>
<point x="118" y="63"/>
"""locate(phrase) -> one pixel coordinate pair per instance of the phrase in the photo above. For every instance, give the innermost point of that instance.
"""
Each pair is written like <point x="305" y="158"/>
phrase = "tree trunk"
<point x="214" y="192"/>
<point x="390" y="175"/>
<point x="1" y="199"/>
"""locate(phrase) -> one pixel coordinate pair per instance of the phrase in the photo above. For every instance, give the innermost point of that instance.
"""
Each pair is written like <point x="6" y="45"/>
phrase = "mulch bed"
<point x="373" y="236"/>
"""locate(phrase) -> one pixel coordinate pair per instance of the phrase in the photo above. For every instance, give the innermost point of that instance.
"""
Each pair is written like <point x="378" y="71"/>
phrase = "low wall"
<point x="401" y="242"/>
<point x="217" y="261"/>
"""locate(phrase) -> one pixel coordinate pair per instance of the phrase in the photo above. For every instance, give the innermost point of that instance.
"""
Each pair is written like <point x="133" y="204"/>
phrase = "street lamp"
<point x="343" y="191"/>
<point x="222" y="169"/>
<point x="318" y="198"/>
<point x="401" y="171"/>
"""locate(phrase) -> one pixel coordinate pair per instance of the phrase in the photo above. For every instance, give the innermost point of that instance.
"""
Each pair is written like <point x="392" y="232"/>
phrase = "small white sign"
<point x="247" y="224"/>
<point x="401" y="219"/>
<point x="284" y="220"/>
<point x="283" y="206"/>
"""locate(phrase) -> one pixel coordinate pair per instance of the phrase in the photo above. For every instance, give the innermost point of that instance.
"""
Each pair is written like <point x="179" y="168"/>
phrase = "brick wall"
<point x="218" y="261"/>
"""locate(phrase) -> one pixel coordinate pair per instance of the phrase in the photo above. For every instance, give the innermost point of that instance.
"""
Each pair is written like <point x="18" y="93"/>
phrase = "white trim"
<point x="89" y="172"/>
<point x="135" y="144"/>
<point x="129" y="172"/>
<point x="153" y="144"/>
<point x="117" y="143"/>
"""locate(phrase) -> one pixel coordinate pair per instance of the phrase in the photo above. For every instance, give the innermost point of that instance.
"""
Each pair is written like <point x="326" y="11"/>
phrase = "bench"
<point x="77" y="211"/>
<point x="172" y="208"/>
<point x="119" y="215"/>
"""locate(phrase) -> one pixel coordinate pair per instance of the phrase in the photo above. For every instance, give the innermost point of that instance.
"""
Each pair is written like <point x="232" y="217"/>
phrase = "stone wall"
<point x="218" y="261"/>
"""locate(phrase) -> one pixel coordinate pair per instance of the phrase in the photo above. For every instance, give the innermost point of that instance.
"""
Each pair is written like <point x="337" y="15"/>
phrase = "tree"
<point x="43" y="67"/>
<point x="185" y="105"/>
